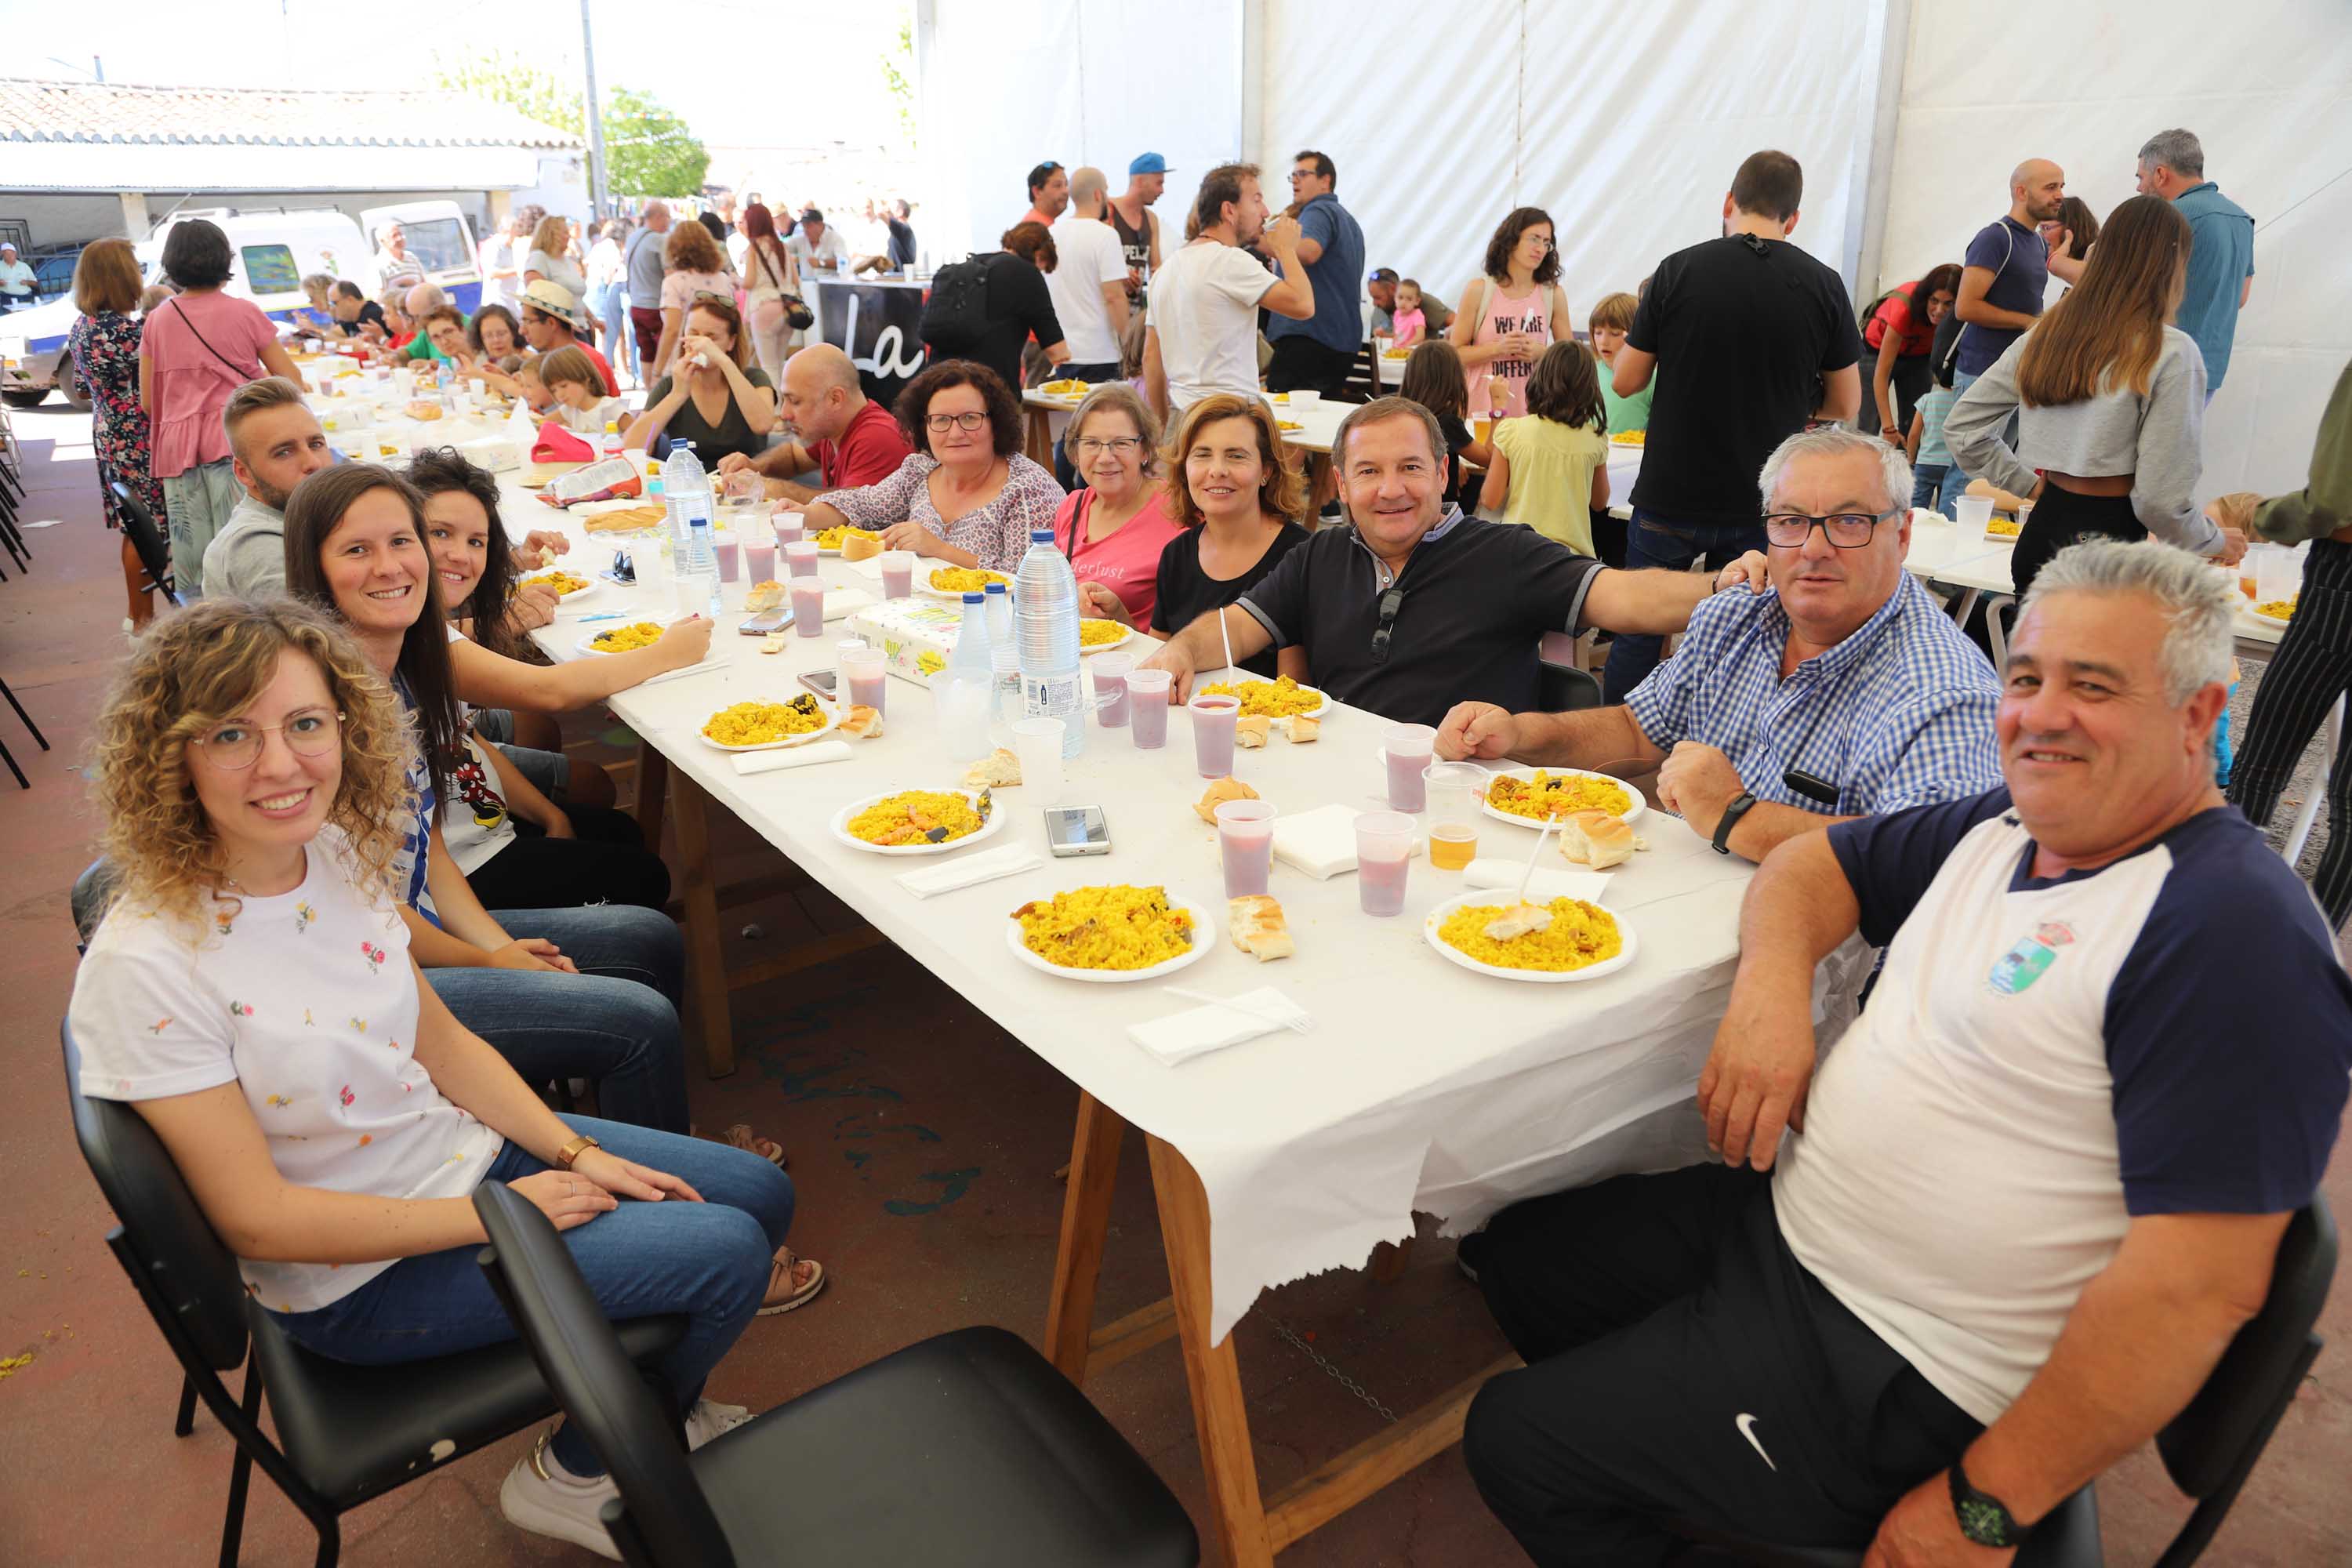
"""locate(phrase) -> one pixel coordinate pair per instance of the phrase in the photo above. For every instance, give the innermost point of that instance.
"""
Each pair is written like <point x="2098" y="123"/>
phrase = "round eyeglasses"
<point x="236" y="746"/>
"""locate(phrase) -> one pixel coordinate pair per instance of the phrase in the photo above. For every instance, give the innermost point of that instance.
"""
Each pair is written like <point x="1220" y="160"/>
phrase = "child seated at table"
<point x="1612" y="318"/>
<point x="1932" y="473"/>
<point x="572" y="378"/>
<point x="1409" y="322"/>
<point x="530" y="373"/>
<point x="1434" y="378"/>
<point x="1551" y="470"/>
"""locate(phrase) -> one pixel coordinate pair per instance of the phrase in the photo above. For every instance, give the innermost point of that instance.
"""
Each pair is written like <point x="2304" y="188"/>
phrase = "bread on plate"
<point x="1595" y="839"/>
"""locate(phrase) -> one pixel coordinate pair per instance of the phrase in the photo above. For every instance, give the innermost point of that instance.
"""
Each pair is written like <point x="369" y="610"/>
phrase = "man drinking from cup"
<point x="1845" y="692"/>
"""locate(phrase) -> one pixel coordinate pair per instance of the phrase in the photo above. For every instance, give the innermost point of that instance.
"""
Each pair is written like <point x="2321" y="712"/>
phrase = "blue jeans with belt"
<point x="614" y="1022"/>
<point x="1654" y="541"/>
<point x="709" y="1260"/>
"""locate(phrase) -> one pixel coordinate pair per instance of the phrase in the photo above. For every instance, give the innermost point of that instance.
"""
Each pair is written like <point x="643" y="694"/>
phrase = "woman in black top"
<point x="1019" y="306"/>
<point x="714" y="395"/>
<point x="1434" y="378"/>
<point x="1238" y="506"/>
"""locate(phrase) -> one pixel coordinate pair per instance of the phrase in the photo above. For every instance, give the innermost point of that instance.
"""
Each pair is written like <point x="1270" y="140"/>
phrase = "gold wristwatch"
<point x="573" y="1151"/>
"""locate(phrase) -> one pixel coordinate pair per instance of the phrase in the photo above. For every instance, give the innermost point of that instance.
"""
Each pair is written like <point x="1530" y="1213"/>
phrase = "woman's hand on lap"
<point x="568" y="1198"/>
<point x="627" y="1179"/>
<point x="531" y="955"/>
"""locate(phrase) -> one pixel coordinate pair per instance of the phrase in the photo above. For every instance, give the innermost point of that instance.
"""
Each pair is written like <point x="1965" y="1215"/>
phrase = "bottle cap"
<point x="1041" y="536"/>
<point x="975" y="598"/>
<point x="994" y="588"/>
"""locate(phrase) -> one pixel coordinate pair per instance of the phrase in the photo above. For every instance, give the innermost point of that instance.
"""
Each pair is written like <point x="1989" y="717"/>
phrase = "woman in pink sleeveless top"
<point x="1512" y="314"/>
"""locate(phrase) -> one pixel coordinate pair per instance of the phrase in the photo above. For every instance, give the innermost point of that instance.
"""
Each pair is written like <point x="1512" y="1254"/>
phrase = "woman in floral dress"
<point x="104" y="343"/>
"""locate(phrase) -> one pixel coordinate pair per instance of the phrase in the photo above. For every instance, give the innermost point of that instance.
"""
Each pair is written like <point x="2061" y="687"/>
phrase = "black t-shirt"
<point x="1018" y="305"/>
<point x="1743" y="330"/>
<point x="1476" y="600"/>
<point x="1185" y="592"/>
<point x="369" y="311"/>
<point x="1457" y="437"/>
<point x="902" y="243"/>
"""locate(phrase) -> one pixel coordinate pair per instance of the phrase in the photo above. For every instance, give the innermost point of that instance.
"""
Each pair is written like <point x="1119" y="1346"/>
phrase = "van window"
<point x="437" y="243"/>
<point x="270" y="269"/>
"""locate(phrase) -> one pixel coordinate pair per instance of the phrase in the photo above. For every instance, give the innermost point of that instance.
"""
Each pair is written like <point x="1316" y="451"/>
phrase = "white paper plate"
<point x="1496" y="896"/>
<point x="831" y="719"/>
<point x="1205" y="935"/>
<point x="2281" y="622"/>
<point x="1229" y="678"/>
<point x="1527" y="776"/>
<point x="1124" y="635"/>
<point x="923" y="586"/>
<point x="840" y="825"/>
<point x="576" y="594"/>
<point x="587" y="644"/>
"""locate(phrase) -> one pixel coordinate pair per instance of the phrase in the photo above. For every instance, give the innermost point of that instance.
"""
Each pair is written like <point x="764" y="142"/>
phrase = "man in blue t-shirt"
<point x="2007" y="268"/>
<point x="1317" y="353"/>
<point x="2030" y="1197"/>
<point x="2220" y="246"/>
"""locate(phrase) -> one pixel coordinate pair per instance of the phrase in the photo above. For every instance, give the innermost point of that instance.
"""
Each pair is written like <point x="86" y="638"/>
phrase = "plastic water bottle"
<point x="698" y="570"/>
<point x="686" y="489"/>
<point x="1004" y="700"/>
<point x="1045" y="638"/>
<point x="608" y="445"/>
<point x="959" y="692"/>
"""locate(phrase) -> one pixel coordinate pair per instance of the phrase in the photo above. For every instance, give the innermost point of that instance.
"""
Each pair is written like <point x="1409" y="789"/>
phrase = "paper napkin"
<point x="1499" y="871"/>
<point x="1322" y="842"/>
<point x="1004" y="860"/>
<point x="815" y="752"/>
<point x="1180" y="1036"/>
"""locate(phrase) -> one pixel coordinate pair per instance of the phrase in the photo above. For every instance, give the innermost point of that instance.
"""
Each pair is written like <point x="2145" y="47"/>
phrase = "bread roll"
<point x="1251" y="732"/>
<point x="764" y="596"/>
<point x="1256" y="923"/>
<point x="1299" y="730"/>
<point x="998" y="770"/>
<point x="863" y="723"/>
<point x="1217" y="793"/>
<point x="859" y="546"/>
<point x="1595" y="839"/>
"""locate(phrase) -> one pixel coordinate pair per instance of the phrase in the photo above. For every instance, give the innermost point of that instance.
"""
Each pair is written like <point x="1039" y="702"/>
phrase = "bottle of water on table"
<point x="1045" y="638"/>
<point x="697" y="571"/>
<point x="959" y="692"/>
<point x="686" y="488"/>
<point x="1004" y="702"/>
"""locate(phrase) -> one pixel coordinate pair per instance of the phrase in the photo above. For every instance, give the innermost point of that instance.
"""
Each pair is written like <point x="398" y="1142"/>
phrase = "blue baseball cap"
<point x="1149" y="163"/>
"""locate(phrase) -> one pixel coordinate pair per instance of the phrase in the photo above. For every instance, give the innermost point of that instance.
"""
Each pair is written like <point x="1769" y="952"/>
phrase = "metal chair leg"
<point x="187" y="1421"/>
<point x="27" y="718"/>
<point x="10" y="758"/>
<point x="241" y="1471"/>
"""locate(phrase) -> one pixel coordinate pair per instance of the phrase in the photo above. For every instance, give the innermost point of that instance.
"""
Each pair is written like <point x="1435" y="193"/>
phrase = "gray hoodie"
<point x="247" y="559"/>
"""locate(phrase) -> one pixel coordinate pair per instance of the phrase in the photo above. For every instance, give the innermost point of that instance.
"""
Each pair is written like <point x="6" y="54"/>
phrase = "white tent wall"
<point x="2267" y="86"/>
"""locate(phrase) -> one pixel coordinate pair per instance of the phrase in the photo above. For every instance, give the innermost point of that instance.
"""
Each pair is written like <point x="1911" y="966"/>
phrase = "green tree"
<point x="648" y="150"/>
<point x="897" y="70"/>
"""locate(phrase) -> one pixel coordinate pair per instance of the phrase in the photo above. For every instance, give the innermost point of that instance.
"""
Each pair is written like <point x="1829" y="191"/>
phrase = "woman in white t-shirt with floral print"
<point x="251" y="993"/>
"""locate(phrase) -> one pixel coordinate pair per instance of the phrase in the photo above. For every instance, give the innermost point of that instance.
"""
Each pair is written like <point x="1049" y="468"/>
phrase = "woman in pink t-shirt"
<point x="1114" y="530"/>
<point x="1511" y="314"/>
<point x="196" y="348"/>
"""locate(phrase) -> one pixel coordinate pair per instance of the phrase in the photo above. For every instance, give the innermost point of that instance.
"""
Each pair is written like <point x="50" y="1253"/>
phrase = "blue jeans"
<point x="614" y="1022"/>
<point x="614" y="313"/>
<point x="1654" y="541"/>
<point x="709" y="1260"/>
<point x="1927" y="481"/>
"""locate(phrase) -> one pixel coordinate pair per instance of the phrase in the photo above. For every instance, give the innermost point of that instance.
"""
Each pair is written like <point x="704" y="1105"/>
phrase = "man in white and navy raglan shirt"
<point x="2031" y="1195"/>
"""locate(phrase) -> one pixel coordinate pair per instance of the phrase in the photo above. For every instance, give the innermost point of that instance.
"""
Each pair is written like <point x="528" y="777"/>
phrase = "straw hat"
<point x="553" y="299"/>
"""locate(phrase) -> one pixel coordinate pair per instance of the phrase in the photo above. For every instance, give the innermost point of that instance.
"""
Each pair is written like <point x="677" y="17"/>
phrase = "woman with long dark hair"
<point x="1511" y="313"/>
<point x="1239" y="505"/>
<point x="1433" y="377"/>
<point x="104" y="343"/>
<point x="2110" y="398"/>
<point x="1900" y="333"/>
<point x="770" y="274"/>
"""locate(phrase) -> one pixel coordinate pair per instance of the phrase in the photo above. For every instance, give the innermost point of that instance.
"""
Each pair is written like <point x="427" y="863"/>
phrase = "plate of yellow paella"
<point x="954" y="581"/>
<point x="1529" y="796"/>
<point x="1110" y="934"/>
<point x="918" y="821"/>
<point x="770" y="726"/>
<point x="1573" y="940"/>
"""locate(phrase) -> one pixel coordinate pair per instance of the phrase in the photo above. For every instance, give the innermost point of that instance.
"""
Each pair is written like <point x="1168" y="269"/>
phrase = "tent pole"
<point x="1873" y="177"/>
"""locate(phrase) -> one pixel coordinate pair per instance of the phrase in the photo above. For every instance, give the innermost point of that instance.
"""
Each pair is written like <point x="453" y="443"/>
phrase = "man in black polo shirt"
<point x="1415" y="606"/>
<point x="1748" y="337"/>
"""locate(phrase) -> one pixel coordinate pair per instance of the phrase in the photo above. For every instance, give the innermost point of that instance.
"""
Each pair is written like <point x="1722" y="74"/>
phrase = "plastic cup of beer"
<point x="1246" y="845"/>
<point x="1146" y="695"/>
<point x="1453" y="791"/>
<point x="1383" y="859"/>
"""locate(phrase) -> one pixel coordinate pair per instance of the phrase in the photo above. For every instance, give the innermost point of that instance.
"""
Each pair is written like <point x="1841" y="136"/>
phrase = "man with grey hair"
<point x="2220" y="246"/>
<point x="2030" y="1196"/>
<point x="1844" y="693"/>
<point x="643" y="266"/>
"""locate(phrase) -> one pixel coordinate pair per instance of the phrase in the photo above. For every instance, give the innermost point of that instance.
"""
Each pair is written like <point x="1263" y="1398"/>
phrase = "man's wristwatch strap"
<point x="1739" y="807"/>
<point x="1984" y="1518"/>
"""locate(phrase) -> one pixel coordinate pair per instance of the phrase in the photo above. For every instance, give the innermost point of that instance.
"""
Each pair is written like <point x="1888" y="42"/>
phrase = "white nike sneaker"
<point x="541" y="1497"/>
<point x="709" y="1419"/>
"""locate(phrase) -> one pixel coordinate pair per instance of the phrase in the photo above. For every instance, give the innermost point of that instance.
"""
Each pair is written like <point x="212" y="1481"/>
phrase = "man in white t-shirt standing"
<point x="2031" y="1195"/>
<point x="1088" y="284"/>
<point x="1201" y="332"/>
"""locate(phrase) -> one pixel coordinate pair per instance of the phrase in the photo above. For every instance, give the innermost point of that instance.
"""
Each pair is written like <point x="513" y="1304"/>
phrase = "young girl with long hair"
<point x="1551" y="470"/>
<point x="251" y="993"/>
<point x="1434" y="378"/>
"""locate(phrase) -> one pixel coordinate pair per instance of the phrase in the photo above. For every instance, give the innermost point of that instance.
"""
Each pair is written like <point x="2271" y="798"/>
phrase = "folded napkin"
<point x="870" y="569"/>
<point x="1322" y="842"/>
<point x="705" y="667"/>
<point x="1180" y="1036"/>
<point x="1004" y="860"/>
<point x="791" y="757"/>
<point x="1498" y="871"/>
<point x="840" y="602"/>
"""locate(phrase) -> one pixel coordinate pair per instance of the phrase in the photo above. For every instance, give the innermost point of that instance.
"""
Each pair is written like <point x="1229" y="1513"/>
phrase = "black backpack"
<point x="955" y="317"/>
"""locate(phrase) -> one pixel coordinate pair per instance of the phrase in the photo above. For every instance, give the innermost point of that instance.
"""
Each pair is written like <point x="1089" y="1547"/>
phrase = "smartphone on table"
<point x="1077" y="830"/>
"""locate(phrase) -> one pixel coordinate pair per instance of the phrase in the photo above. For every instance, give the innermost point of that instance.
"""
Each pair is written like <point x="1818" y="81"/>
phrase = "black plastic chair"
<point x="2209" y="1449"/>
<point x="967" y="1450"/>
<point x="147" y="539"/>
<point x="345" y="1434"/>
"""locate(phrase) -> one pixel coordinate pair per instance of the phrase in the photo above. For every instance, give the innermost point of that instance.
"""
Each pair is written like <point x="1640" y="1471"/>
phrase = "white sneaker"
<point x="709" y="1419"/>
<point x="541" y="1497"/>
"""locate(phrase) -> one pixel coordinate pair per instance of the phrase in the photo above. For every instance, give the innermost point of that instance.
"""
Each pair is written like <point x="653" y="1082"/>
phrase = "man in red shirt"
<point x="847" y="437"/>
<point x="551" y="320"/>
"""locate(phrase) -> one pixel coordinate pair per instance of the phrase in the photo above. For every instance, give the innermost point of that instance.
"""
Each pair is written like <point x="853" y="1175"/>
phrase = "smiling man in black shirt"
<point x="1749" y="338"/>
<point x="1414" y="606"/>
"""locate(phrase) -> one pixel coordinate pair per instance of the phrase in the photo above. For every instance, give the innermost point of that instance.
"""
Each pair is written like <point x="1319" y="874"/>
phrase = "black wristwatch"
<point x="1984" y="1518"/>
<point x="1739" y="807"/>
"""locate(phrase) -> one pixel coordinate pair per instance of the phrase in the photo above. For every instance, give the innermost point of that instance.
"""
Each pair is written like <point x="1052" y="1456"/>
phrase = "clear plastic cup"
<point x="1453" y="791"/>
<point x="1213" y="735"/>
<point x="1246" y="845"/>
<point x="1406" y="749"/>
<point x="1383" y="860"/>
<point x="1147" y="693"/>
<point x="808" y="605"/>
<point x="799" y="557"/>
<point x="1973" y="513"/>
<point x="1109" y="672"/>
<point x="759" y="551"/>
<point x="864" y="676"/>
<point x="728" y="549"/>
<point x="1038" y="744"/>
<point x="897" y="573"/>
<point x="791" y="527"/>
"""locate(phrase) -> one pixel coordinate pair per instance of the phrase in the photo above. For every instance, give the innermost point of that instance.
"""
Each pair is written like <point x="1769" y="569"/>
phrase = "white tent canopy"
<point x="1626" y="125"/>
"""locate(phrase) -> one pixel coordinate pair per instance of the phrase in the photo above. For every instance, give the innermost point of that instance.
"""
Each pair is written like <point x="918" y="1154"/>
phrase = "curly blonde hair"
<point x="1283" y="491"/>
<point x="189" y="670"/>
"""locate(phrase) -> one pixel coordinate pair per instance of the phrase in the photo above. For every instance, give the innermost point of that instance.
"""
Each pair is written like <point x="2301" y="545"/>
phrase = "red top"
<point x="1127" y="562"/>
<point x="1913" y="331"/>
<point x="868" y="452"/>
<point x="603" y="367"/>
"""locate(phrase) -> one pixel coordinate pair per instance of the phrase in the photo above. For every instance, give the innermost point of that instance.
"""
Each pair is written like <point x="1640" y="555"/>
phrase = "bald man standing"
<point x="2008" y="267"/>
<point x="847" y="437"/>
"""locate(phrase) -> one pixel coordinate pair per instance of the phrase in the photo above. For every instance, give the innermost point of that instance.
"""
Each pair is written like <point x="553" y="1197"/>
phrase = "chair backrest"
<point x="1563" y="685"/>
<point x="147" y="537"/>
<point x="188" y="1279"/>
<point x="579" y="1355"/>
<point x="93" y="890"/>
<point x="2217" y="1437"/>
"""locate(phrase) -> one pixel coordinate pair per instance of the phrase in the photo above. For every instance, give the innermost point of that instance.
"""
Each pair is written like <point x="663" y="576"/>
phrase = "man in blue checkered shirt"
<point x="1847" y="691"/>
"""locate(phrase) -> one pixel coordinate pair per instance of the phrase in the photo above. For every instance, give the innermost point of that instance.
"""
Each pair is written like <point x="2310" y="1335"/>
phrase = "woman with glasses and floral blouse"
<point x="1512" y="313"/>
<point x="1114" y="530"/>
<point x="967" y="496"/>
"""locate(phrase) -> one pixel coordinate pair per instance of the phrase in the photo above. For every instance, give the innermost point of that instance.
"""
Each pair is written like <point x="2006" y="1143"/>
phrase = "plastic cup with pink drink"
<point x="799" y="557"/>
<point x="791" y="527"/>
<point x="865" y="674"/>
<point x="759" y="551"/>
<point x="808" y="605"/>
<point x="1246" y="845"/>
<point x="729" y="549"/>
<point x="1109" y="672"/>
<point x="1146" y="695"/>
<point x="1407" y="750"/>
<point x="897" y="573"/>
<point x="1213" y="735"/>
<point x="1383" y="857"/>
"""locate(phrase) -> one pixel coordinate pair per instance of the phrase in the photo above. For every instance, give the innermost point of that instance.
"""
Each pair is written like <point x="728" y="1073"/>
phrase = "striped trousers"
<point x="2312" y="668"/>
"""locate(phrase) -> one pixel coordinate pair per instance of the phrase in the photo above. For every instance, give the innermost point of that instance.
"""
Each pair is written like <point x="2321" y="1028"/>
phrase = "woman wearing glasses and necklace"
<point x="967" y="496"/>
<point x="1114" y="530"/>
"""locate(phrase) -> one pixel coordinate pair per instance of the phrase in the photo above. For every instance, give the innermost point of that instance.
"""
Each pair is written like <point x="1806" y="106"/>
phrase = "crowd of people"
<point x="1973" y="1289"/>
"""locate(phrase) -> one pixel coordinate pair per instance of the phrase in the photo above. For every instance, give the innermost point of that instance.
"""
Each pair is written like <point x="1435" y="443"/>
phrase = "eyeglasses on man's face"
<point x="938" y="424"/>
<point x="236" y="745"/>
<point x="1845" y="529"/>
<point x="1120" y="446"/>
